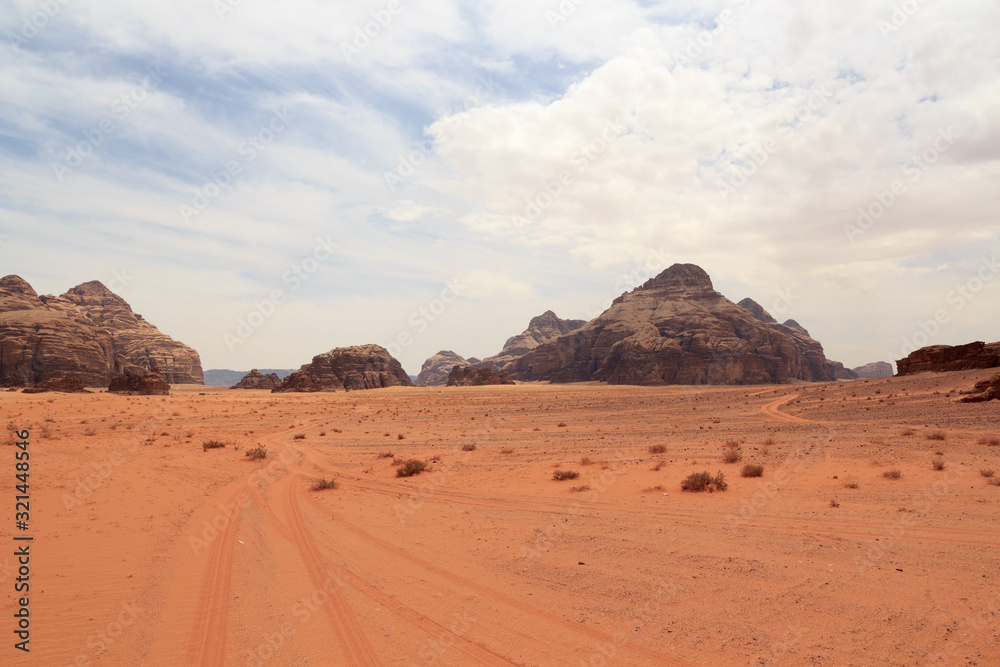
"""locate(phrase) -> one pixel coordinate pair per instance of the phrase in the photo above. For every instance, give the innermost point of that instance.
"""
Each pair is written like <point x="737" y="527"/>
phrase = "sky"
<point x="266" y="181"/>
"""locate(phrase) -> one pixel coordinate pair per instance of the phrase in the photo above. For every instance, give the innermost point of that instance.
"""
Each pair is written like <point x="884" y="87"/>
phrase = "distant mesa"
<point x="469" y="376"/>
<point x="676" y="329"/>
<point x="223" y="377"/>
<point x="143" y="383"/>
<point x="541" y="329"/>
<point x="434" y="371"/>
<point x="348" y="368"/>
<point x="874" y="370"/>
<point x="257" y="380"/>
<point x="942" y="358"/>
<point x="89" y="333"/>
<point x="984" y="390"/>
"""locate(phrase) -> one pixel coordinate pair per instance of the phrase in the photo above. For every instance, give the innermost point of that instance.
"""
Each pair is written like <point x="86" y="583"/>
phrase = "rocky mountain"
<point x="469" y="376"/>
<point x="434" y="371"/>
<point x="792" y="324"/>
<point x="357" y="367"/>
<point x="223" y="377"/>
<point x="88" y="333"/>
<point x="541" y="329"/>
<point x="257" y="380"/>
<point x="676" y="329"/>
<point x="874" y="370"/>
<point x="940" y="358"/>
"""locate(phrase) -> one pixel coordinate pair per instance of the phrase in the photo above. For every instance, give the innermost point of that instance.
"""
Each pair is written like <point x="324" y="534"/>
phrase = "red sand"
<point x="150" y="551"/>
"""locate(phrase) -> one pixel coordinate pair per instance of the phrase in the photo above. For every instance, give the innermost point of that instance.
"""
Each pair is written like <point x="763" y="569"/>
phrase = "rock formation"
<point x="940" y="358"/>
<point x="145" y="383"/>
<point x="984" y="390"/>
<point x="541" y="329"/>
<point x="434" y="372"/>
<point x="257" y="380"/>
<point x="468" y="376"/>
<point x="66" y="385"/>
<point x="676" y="329"/>
<point x="357" y="367"/>
<point x="792" y="324"/>
<point x="874" y="370"/>
<point x="88" y="333"/>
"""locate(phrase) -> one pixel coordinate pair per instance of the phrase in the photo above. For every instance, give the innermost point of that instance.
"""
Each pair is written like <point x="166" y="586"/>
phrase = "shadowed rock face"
<point x="357" y="367"/>
<point x="88" y="333"/>
<point x="874" y="370"/>
<point x="941" y="358"/>
<point x="257" y="380"/>
<point x="434" y="372"/>
<point x="467" y="376"/>
<point x="985" y="390"/>
<point x="68" y="385"/>
<point x="541" y="329"/>
<point x="145" y="383"/>
<point x="676" y="329"/>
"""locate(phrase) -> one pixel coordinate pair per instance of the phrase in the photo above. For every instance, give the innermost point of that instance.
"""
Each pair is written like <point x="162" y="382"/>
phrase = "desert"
<point x="152" y="549"/>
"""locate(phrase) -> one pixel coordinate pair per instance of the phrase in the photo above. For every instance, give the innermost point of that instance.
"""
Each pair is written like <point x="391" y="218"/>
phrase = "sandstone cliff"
<point x="984" y="390"/>
<point x="541" y="329"/>
<point x="467" y="376"/>
<point x="357" y="367"/>
<point x="676" y="329"/>
<point x="145" y="383"/>
<point x="874" y="370"/>
<point x="434" y="371"/>
<point x="940" y="358"/>
<point x="88" y="333"/>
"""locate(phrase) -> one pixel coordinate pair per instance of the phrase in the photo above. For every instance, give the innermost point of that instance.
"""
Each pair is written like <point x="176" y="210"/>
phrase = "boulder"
<point x="144" y="383"/>
<point x="257" y="380"/>
<point x="434" y="371"/>
<point x="66" y="385"/>
<point x="984" y="390"/>
<point x="356" y="367"/>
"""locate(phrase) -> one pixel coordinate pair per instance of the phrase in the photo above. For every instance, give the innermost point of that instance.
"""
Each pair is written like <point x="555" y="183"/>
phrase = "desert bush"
<point x="586" y="461"/>
<point x="834" y="503"/>
<point x="257" y="453"/>
<point x="386" y="455"/>
<point x="752" y="470"/>
<point x="299" y="436"/>
<point x="90" y="431"/>
<point x="580" y="489"/>
<point x="936" y="435"/>
<point x="701" y="481"/>
<point x="560" y="475"/>
<point x="401" y="436"/>
<point x="732" y="454"/>
<point x="322" y="484"/>
<point x="657" y="449"/>
<point x="508" y="450"/>
<point x="995" y="481"/>
<point x="656" y="468"/>
<point x="892" y="474"/>
<point x="469" y="447"/>
<point x="986" y="473"/>
<point x="561" y="425"/>
<point x="410" y="468"/>
<point x="908" y="432"/>
<point x="991" y="442"/>
<point x="853" y="484"/>
<point x="212" y="444"/>
<point x="938" y="463"/>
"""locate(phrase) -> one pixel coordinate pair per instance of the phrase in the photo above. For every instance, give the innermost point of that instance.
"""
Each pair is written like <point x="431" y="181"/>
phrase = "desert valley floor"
<point x="151" y="550"/>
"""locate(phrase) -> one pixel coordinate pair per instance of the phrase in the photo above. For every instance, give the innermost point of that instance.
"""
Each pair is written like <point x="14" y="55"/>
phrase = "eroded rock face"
<point x="984" y="390"/>
<point x="144" y="383"/>
<point x="88" y="333"/>
<point x="676" y="329"/>
<point x="941" y="358"/>
<point x="357" y="367"/>
<point x="257" y="380"/>
<point x="874" y="370"/>
<point x="541" y="329"/>
<point x="468" y="376"/>
<point x="434" y="372"/>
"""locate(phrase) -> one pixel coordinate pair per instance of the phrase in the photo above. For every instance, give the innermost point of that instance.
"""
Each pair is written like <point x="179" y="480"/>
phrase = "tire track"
<point x="354" y="643"/>
<point x="771" y="410"/>
<point x="498" y="596"/>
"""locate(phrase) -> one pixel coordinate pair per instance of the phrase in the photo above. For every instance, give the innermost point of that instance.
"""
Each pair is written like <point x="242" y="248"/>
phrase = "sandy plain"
<point x="150" y="550"/>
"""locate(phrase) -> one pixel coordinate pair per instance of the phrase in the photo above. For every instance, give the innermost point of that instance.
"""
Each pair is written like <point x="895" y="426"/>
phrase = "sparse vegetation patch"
<point x="410" y="468"/>
<point x="892" y="474"/>
<point x="702" y="481"/>
<point x="257" y="453"/>
<point x="560" y="475"/>
<point x="323" y="484"/>
<point x="752" y="470"/>
<point x="212" y="444"/>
